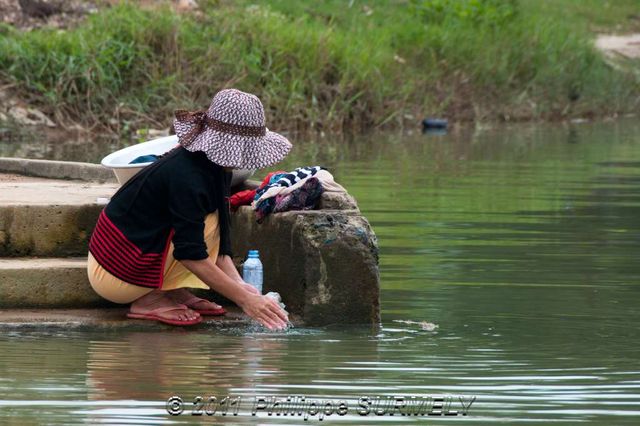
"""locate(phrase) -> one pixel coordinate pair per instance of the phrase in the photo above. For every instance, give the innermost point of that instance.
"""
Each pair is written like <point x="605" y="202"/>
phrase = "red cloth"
<point x="244" y="198"/>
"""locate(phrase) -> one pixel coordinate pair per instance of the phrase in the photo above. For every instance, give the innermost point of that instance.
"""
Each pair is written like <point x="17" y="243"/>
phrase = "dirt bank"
<point x="30" y="14"/>
<point x="627" y="46"/>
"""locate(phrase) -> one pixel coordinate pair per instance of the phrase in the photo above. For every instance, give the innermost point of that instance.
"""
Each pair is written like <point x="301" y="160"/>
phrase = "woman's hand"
<point x="265" y="310"/>
<point x="261" y="308"/>
<point x="226" y="264"/>
<point x="250" y="288"/>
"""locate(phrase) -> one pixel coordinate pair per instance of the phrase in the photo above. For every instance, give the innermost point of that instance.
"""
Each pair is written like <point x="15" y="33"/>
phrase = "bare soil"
<point x="30" y="14"/>
<point x="627" y="46"/>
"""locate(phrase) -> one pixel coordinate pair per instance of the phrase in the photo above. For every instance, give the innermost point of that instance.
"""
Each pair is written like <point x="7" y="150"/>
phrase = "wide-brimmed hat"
<point x="231" y="132"/>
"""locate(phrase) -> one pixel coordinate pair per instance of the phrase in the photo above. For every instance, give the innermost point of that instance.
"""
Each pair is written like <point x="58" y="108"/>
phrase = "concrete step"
<point x="334" y="279"/>
<point x="112" y="319"/>
<point x="48" y="217"/>
<point x="49" y="293"/>
<point x="31" y="282"/>
<point x="55" y="218"/>
<point x="46" y="283"/>
<point x="57" y="169"/>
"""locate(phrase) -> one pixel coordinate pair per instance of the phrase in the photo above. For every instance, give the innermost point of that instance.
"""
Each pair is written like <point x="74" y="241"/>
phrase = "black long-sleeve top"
<point x="166" y="201"/>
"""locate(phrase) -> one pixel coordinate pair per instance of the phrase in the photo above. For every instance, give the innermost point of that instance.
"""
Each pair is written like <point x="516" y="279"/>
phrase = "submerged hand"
<point x="265" y="310"/>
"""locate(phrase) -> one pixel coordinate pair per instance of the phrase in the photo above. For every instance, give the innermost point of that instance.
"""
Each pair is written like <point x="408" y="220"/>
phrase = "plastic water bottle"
<point x="252" y="270"/>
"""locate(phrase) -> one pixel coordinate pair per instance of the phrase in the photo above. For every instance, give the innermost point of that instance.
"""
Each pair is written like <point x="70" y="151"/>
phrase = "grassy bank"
<point x="333" y="64"/>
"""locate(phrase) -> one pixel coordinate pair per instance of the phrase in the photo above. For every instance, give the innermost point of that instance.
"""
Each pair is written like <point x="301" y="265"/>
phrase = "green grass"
<point x="594" y="15"/>
<point x="328" y="64"/>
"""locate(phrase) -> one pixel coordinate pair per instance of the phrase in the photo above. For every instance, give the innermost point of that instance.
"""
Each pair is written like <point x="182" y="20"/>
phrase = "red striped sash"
<point x="123" y="259"/>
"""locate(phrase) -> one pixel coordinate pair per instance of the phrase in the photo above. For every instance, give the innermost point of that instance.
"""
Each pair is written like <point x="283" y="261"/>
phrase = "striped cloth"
<point x="285" y="180"/>
<point x="113" y="250"/>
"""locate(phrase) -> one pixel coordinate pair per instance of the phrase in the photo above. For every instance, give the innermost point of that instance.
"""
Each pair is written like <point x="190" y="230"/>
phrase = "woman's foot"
<point x="157" y="305"/>
<point x="203" y="306"/>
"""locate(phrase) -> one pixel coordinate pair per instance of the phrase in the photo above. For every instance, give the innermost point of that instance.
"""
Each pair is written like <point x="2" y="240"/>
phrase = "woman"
<point x="167" y="229"/>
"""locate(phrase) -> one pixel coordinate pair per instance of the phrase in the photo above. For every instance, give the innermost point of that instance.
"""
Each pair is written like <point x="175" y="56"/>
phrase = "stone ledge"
<point x="55" y="218"/>
<point x="55" y="293"/>
<point x="324" y="263"/>
<point x="47" y="230"/>
<point x="29" y="191"/>
<point x="35" y="282"/>
<point x="46" y="283"/>
<point x="48" y="217"/>
<point x="57" y="169"/>
<point x="64" y="230"/>
<point x="115" y="319"/>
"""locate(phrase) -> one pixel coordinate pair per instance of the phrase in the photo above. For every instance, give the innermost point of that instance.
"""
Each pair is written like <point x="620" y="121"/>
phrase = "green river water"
<point x="521" y="243"/>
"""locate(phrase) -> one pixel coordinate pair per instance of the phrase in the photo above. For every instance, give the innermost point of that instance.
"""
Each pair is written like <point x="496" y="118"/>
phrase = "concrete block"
<point x="115" y="318"/>
<point x="48" y="217"/>
<point x="57" y="169"/>
<point x="324" y="263"/>
<point x="46" y="283"/>
<point x="47" y="230"/>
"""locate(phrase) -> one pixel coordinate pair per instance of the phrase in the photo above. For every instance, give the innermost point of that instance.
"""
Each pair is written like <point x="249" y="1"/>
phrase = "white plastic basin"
<point x="119" y="161"/>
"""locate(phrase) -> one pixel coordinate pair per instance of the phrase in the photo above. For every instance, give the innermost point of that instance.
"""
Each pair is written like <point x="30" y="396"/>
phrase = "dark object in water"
<point x="434" y="132"/>
<point x="434" y="123"/>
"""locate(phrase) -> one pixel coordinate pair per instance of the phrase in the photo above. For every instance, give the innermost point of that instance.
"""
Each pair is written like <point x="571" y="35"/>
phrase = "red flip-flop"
<point x="154" y="315"/>
<point x="211" y="312"/>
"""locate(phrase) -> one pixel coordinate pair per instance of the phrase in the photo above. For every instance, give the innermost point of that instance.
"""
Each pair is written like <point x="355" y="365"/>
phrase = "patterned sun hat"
<point x="231" y="132"/>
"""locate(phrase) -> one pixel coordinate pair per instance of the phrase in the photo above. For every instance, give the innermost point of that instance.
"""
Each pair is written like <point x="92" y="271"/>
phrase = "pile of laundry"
<point x="282" y="191"/>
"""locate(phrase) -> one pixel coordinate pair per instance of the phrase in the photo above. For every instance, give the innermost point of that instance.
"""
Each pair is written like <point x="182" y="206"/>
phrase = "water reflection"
<point x="56" y="144"/>
<point x="520" y="243"/>
<point x="126" y="377"/>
